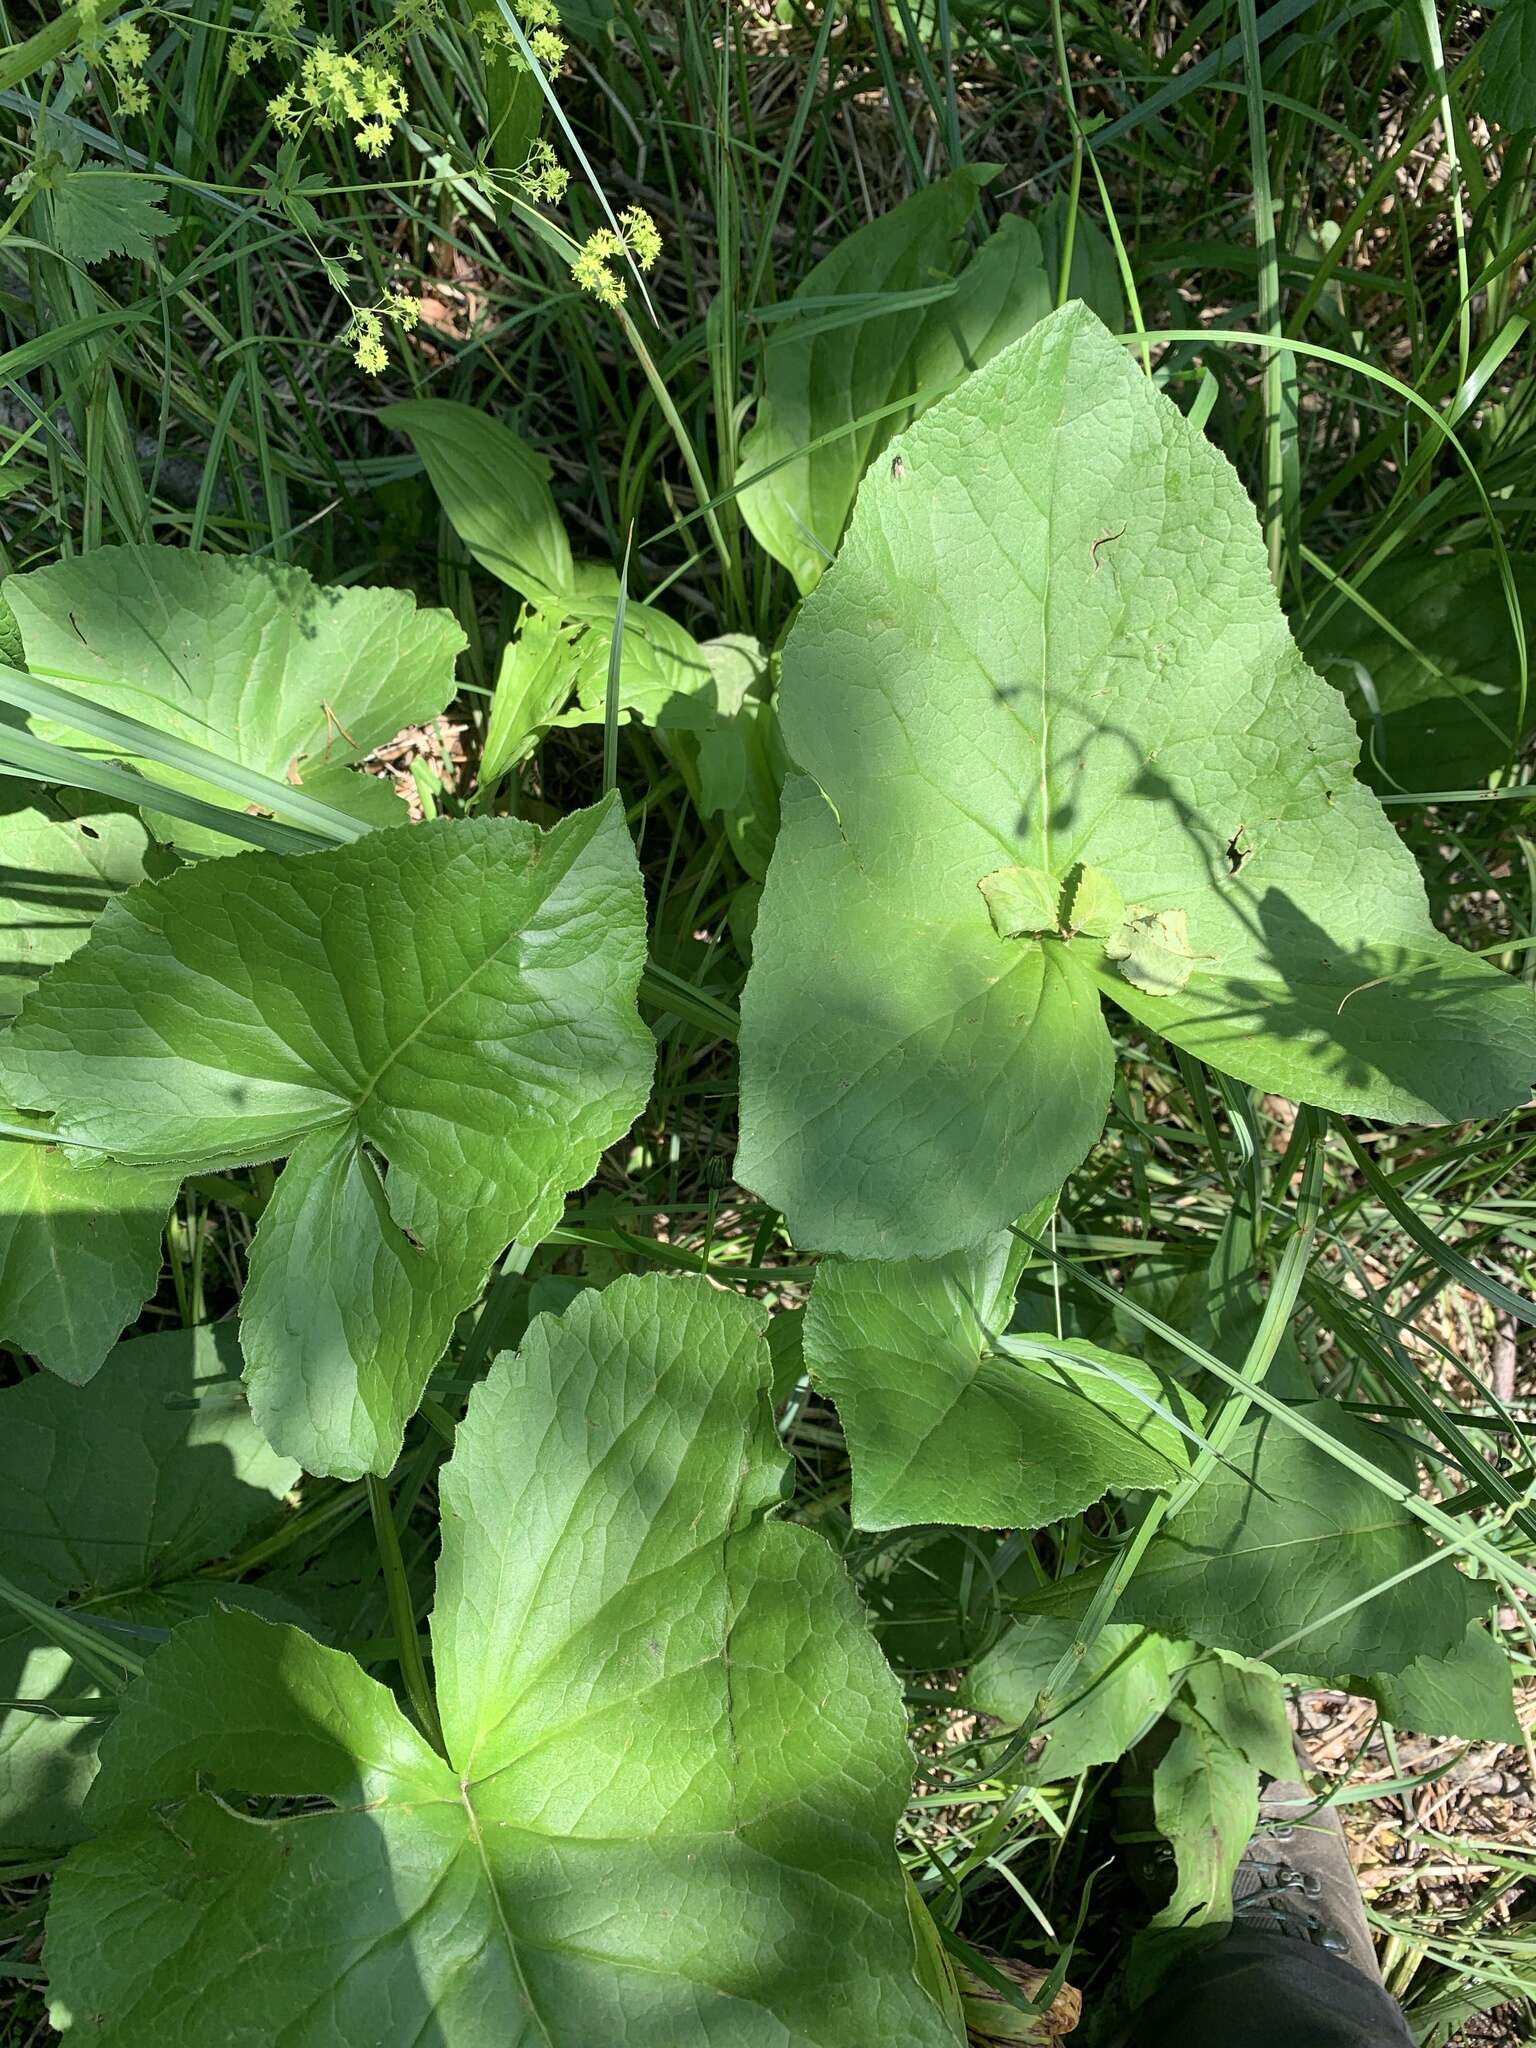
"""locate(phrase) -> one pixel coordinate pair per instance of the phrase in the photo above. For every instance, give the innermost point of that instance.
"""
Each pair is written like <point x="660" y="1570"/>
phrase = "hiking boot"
<point x="1296" y="1878"/>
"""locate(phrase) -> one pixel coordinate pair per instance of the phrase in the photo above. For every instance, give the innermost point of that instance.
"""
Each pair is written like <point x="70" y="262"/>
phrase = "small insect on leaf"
<point x="1152" y="950"/>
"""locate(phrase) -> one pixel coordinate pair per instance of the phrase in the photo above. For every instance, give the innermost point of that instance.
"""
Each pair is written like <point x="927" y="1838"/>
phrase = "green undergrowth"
<point x="766" y="947"/>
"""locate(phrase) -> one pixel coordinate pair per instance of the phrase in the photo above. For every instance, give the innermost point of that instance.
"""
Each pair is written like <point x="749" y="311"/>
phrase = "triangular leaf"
<point x="676" y="1761"/>
<point x="458" y="999"/>
<point x="1286" y="1555"/>
<point x="1468" y="1694"/>
<point x="944" y="1426"/>
<point x="1051" y="641"/>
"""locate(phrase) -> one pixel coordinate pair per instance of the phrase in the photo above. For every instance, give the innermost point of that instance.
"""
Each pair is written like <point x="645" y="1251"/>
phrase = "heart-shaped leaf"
<point x="1051" y="642"/>
<point x="455" y="1004"/>
<point x="675" y="1758"/>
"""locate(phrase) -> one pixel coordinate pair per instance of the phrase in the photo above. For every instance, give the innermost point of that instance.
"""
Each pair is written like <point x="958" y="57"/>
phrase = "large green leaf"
<point x="80" y="1249"/>
<point x="456" y="1002"/>
<point x="115" y="1495"/>
<point x="943" y="1425"/>
<point x="1116" y="1693"/>
<point x="894" y="310"/>
<point x="80" y="1235"/>
<point x="675" y="1759"/>
<point x="1442" y="712"/>
<point x="250" y="660"/>
<point x="1228" y="1724"/>
<point x="1286" y="1555"/>
<point x="1051" y="644"/>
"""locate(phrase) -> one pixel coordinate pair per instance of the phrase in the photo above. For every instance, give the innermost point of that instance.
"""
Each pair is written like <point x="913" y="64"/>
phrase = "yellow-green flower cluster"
<point x="543" y="174"/>
<point x="277" y="21"/>
<point x="592" y="266"/>
<point x="126" y="53"/>
<point x="540" y="20"/>
<point x="400" y="308"/>
<point x="336" y="86"/>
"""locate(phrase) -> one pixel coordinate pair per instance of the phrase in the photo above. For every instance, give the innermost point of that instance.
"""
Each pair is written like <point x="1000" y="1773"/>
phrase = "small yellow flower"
<point x="543" y="174"/>
<point x="282" y="114"/>
<point x="132" y="96"/>
<point x="548" y="47"/>
<point x="538" y="13"/>
<point x="372" y="139"/>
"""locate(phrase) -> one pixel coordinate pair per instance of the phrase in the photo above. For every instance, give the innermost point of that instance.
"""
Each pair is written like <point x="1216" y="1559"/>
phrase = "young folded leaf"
<point x="943" y="1426"/>
<point x="675" y="1758"/>
<point x="116" y="1494"/>
<point x="901" y="307"/>
<point x="249" y="659"/>
<point x="439" y="1025"/>
<point x="1051" y="642"/>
